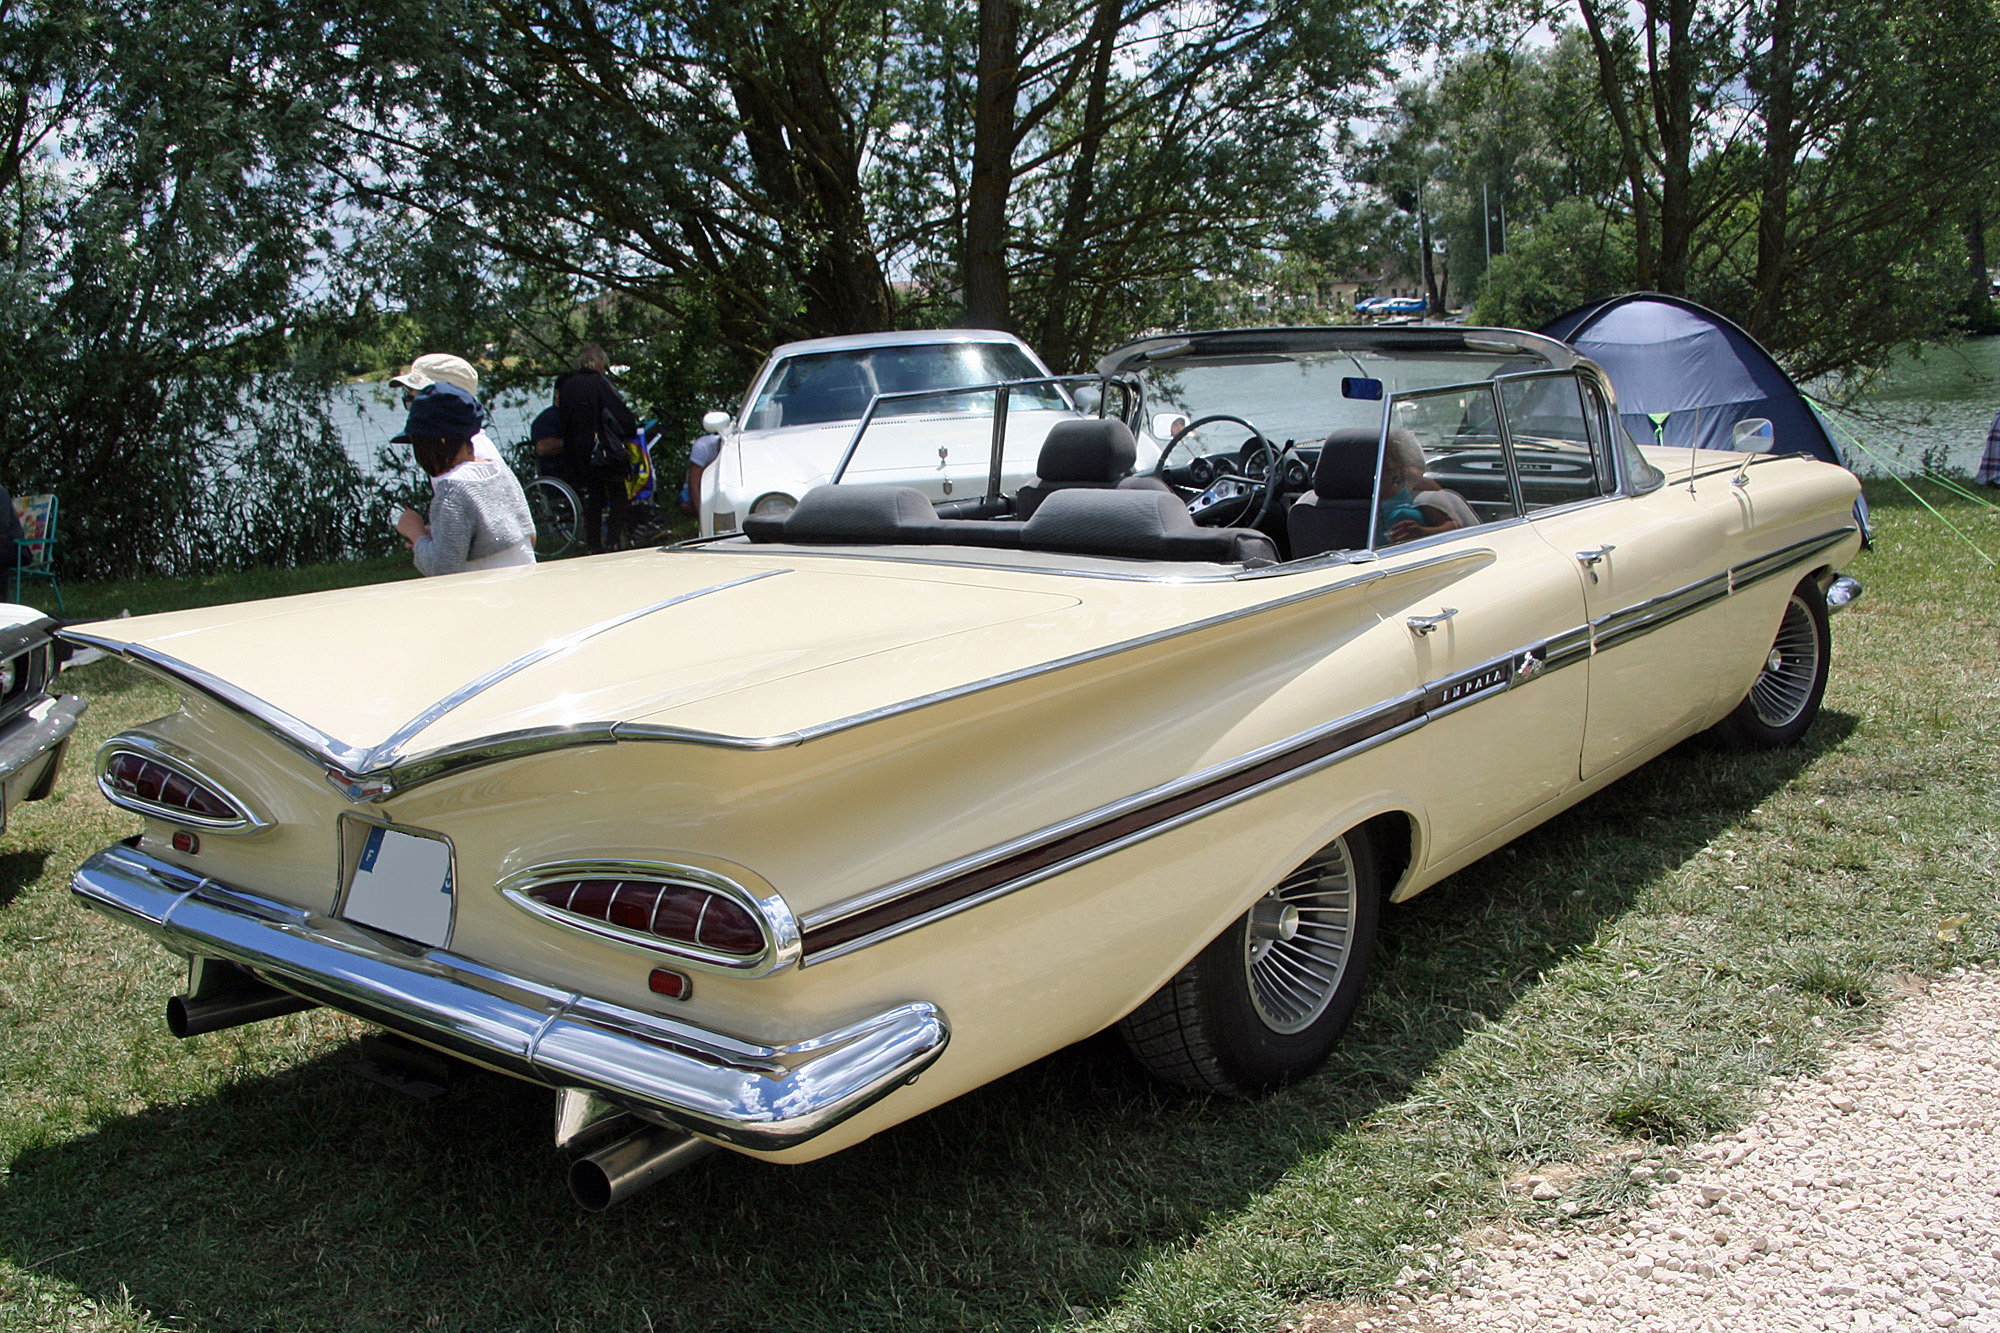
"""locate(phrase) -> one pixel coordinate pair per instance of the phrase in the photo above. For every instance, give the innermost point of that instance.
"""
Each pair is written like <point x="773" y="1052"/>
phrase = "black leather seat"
<point x="1086" y="453"/>
<point x="1149" y="524"/>
<point x="1334" y="515"/>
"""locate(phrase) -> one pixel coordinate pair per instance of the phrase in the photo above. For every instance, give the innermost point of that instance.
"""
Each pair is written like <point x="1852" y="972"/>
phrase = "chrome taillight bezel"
<point x="244" y="818"/>
<point x="780" y="928"/>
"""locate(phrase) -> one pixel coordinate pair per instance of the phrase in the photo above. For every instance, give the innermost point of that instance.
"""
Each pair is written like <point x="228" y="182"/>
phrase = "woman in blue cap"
<point x="479" y="517"/>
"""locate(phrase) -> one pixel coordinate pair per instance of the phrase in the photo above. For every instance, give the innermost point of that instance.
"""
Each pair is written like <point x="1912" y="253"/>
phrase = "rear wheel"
<point x="1263" y="1004"/>
<point x="1785" y="697"/>
<point x="558" y="516"/>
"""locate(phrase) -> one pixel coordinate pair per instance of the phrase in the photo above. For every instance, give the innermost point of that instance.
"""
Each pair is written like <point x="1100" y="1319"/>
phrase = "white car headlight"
<point x="775" y="504"/>
<point x="9" y="672"/>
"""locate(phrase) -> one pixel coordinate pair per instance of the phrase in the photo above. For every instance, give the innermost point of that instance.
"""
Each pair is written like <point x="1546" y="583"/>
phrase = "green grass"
<point x="1628" y="977"/>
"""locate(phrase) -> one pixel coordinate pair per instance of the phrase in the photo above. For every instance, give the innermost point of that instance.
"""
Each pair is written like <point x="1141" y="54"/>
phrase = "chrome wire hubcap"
<point x="1296" y="948"/>
<point x="1786" y="682"/>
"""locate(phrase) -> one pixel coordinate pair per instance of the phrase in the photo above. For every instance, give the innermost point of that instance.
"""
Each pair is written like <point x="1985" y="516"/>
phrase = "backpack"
<point x="610" y="454"/>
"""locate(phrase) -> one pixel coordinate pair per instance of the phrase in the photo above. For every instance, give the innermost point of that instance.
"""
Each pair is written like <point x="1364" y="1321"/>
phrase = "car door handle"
<point x="1422" y="625"/>
<point x="1591" y="559"/>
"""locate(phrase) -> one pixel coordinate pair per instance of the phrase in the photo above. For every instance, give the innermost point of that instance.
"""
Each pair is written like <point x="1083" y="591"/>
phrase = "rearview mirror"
<point x="1354" y="386"/>
<point x="1754" y="435"/>
<point x="716" y="422"/>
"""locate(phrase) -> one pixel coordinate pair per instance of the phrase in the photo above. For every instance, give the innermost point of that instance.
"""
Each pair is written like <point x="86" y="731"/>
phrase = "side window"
<point x="1445" y="467"/>
<point x="1559" y="458"/>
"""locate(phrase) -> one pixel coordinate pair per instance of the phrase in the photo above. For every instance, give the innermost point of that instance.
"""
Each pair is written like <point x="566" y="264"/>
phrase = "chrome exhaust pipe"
<point x="221" y="996"/>
<point x="629" y="1165"/>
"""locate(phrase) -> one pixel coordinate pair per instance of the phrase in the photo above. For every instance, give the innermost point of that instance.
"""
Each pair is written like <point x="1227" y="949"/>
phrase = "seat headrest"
<point x="1346" y="467"/>
<point x="1106" y="522"/>
<point x="859" y="514"/>
<point x="1088" y="449"/>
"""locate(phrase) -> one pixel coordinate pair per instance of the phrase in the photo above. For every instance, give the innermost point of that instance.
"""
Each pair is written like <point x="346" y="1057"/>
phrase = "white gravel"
<point x="1865" y="1198"/>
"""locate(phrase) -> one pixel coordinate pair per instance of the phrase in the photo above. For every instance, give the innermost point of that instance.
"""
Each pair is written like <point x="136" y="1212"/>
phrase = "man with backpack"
<point x="597" y="428"/>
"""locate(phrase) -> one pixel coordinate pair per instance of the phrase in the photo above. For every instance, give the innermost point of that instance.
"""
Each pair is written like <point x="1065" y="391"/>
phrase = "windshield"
<point x="823" y="387"/>
<point x="1295" y="398"/>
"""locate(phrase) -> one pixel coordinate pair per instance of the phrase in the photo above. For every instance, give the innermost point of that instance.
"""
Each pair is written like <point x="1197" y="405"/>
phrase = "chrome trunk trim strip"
<point x="386" y="754"/>
<point x="669" y="1071"/>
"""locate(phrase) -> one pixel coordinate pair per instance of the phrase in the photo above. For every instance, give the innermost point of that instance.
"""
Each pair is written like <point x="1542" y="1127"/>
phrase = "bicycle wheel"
<point x="558" y="515"/>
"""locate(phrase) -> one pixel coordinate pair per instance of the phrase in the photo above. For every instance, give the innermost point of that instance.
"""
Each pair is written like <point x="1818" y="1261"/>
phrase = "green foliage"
<point x="166" y="205"/>
<point x="1574" y="253"/>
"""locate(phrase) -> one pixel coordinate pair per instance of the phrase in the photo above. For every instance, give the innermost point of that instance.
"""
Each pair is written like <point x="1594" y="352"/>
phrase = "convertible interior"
<point x="1085" y="500"/>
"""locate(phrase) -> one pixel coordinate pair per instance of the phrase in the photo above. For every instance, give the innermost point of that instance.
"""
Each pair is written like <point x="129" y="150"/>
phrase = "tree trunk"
<point x="1979" y="282"/>
<point x="1058" y="343"/>
<point x="998" y="80"/>
<point x="1630" y="159"/>
<point x="807" y="155"/>
<point x="1673" y="111"/>
<point x="1780" y="150"/>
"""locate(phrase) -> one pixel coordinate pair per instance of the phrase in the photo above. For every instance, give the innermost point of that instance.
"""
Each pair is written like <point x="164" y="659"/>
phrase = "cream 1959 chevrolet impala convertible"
<point x="775" y="840"/>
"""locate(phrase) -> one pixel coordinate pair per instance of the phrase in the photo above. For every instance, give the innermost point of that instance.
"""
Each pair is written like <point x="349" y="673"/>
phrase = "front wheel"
<point x="1785" y="697"/>
<point x="557" y="514"/>
<point x="1264" y="1003"/>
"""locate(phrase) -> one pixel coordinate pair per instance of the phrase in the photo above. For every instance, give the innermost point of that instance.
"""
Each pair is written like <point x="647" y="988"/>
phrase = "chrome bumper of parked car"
<point x="737" y="1092"/>
<point x="42" y="729"/>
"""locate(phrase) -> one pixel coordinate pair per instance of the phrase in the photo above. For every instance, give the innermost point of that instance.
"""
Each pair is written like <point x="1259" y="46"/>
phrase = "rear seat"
<point x="1146" y="524"/>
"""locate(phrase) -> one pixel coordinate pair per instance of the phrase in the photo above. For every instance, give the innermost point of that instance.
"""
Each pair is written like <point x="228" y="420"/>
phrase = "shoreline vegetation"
<point x="1632" y="974"/>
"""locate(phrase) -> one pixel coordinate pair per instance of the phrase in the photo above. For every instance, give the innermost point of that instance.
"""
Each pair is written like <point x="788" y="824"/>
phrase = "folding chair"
<point x="35" y="551"/>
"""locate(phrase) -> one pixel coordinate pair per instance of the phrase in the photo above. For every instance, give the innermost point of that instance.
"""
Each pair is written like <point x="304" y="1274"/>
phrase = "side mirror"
<point x="1089" y="397"/>
<point x="1754" y="435"/>
<point x="714" y="423"/>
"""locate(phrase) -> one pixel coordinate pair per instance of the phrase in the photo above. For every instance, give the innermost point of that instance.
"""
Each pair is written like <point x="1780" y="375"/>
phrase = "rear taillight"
<point x="154" y="786"/>
<point x="709" y="921"/>
<point x="682" y="913"/>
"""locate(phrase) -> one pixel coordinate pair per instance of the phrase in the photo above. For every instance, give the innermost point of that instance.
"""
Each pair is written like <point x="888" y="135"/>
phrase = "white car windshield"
<point x="821" y="387"/>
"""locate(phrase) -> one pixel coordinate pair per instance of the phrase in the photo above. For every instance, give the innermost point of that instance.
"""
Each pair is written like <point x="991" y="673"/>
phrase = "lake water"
<point x="1934" y="408"/>
<point x="368" y="414"/>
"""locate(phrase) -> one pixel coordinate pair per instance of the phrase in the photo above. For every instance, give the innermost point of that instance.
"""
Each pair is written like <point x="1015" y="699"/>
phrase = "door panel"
<point x="1655" y="580"/>
<point x="1506" y="714"/>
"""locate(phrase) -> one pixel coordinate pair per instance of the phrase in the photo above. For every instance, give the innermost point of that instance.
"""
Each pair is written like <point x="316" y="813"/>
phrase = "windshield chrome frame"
<point x="1003" y="391"/>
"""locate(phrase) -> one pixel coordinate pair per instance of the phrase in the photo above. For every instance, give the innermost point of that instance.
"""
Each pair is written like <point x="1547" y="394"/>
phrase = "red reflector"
<point x="186" y="842"/>
<point x="670" y="984"/>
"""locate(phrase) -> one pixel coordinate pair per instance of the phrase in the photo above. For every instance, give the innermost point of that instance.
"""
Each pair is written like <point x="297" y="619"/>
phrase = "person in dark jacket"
<point x="590" y="404"/>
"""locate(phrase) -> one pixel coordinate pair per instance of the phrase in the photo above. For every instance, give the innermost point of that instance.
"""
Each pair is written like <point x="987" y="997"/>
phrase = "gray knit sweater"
<point x="477" y="510"/>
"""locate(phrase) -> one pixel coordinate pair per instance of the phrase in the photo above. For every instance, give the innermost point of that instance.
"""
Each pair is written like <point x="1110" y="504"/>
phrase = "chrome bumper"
<point x="736" y="1092"/>
<point x="42" y="730"/>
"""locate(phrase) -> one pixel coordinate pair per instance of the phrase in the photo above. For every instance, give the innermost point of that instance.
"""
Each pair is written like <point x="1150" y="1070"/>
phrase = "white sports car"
<point x="806" y="405"/>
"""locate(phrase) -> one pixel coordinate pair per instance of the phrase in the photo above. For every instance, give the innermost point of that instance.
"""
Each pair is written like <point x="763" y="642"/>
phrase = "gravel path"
<point x="1866" y="1198"/>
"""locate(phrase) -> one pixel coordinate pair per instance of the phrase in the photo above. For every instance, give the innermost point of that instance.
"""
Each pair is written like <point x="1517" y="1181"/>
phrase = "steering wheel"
<point x="1229" y="495"/>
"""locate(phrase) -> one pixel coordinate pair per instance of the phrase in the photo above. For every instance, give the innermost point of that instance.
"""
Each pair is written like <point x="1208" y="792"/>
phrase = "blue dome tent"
<point x="1686" y="375"/>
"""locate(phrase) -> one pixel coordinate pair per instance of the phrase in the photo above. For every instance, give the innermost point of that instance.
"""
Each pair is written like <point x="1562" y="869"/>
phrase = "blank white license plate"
<point x="402" y="885"/>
